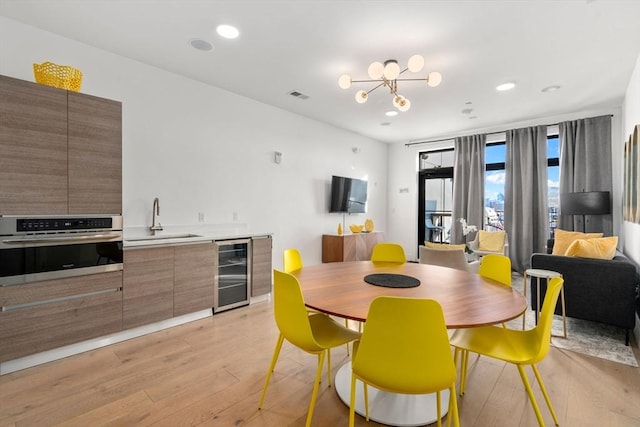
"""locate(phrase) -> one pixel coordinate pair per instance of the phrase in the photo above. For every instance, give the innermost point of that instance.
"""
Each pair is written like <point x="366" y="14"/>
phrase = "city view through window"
<point x="495" y="157"/>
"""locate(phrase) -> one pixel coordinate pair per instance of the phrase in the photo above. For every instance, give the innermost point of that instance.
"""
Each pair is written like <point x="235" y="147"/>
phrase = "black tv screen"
<point x="348" y="195"/>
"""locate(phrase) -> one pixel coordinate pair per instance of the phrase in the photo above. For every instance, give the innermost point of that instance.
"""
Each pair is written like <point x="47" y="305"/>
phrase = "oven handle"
<point x="107" y="236"/>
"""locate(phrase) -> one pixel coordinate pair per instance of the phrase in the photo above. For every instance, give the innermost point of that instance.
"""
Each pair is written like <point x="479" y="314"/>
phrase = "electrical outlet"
<point x="200" y="216"/>
<point x="235" y="216"/>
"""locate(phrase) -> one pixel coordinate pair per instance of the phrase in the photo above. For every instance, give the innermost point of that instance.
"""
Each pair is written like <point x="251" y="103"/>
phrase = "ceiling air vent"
<point x="298" y="95"/>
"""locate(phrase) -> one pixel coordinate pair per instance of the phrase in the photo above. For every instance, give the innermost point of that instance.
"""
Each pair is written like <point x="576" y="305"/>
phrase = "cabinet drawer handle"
<point x="61" y="299"/>
<point x="83" y="237"/>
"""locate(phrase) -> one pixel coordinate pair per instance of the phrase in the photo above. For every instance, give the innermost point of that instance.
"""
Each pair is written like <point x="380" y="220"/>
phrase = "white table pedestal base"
<point x="390" y="408"/>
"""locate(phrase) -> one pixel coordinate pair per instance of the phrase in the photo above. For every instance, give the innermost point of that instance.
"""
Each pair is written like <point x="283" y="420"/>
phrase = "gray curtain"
<point x="526" y="207"/>
<point x="468" y="184"/>
<point x="585" y="165"/>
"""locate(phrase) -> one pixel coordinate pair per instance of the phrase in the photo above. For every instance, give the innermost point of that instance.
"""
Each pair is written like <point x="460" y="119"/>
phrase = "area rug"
<point x="585" y="337"/>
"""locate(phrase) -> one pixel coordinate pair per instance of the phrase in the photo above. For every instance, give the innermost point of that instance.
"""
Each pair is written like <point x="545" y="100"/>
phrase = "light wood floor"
<point x="210" y="373"/>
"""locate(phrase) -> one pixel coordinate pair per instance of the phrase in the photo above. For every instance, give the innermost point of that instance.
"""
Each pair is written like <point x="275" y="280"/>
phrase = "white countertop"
<point x="181" y="234"/>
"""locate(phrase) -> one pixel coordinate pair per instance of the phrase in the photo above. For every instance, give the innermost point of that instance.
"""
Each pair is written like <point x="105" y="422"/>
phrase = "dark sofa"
<point x="604" y="291"/>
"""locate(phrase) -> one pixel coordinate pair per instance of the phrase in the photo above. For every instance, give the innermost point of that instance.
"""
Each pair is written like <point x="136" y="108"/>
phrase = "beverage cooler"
<point x="234" y="274"/>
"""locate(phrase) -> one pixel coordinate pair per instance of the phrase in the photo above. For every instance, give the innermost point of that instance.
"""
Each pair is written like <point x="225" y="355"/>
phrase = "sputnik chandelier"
<point x="387" y="75"/>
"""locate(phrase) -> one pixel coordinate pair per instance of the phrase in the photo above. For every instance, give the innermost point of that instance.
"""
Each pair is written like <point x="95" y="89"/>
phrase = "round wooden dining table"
<point x="467" y="300"/>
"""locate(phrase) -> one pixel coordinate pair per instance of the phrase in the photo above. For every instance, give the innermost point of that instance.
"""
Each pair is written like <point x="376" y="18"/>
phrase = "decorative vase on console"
<point x="368" y="225"/>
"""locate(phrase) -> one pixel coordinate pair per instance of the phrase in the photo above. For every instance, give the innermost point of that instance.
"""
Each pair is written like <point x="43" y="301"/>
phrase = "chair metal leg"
<point x="366" y="401"/>
<point x="272" y="366"/>
<point x="346" y="325"/>
<point x="439" y="409"/>
<point x="464" y="366"/>
<point x="525" y="284"/>
<point x="328" y="366"/>
<point x="352" y="402"/>
<point x="544" y="393"/>
<point x="453" y="407"/>
<point x="457" y="354"/>
<point x="564" y="317"/>
<point x="316" y="385"/>
<point x="532" y="398"/>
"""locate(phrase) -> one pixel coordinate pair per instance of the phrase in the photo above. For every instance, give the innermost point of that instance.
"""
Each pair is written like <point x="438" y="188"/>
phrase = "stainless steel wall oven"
<point x="37" y="248"/>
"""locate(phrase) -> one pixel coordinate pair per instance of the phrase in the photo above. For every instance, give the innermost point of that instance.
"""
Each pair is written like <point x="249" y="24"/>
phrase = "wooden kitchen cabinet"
<point x="147" y="286"/>
<point x="33" y="147"/>
<point x="349" y="247"/>
<point x="45" y="315"/>
<point x="195" y="267"/>
<point x="261" y="266"/>
<point x="95" y="154"/>
<point x="61" y="151"/>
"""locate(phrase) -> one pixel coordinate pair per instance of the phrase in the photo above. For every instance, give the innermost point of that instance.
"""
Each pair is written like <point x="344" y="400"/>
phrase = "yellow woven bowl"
<point x="60" y="76"/>
<point x="356" y="228"/>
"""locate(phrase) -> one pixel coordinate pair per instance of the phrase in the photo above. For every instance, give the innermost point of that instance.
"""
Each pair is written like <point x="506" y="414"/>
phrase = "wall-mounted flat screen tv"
<point x="348" y="195"/>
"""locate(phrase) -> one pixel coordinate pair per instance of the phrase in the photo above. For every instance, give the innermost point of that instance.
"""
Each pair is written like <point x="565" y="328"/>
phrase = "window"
<point x="435" y="195"/>
<point x="553" y="181"/>
<point x="495" y="158"/>
<point x="494" y="178"/>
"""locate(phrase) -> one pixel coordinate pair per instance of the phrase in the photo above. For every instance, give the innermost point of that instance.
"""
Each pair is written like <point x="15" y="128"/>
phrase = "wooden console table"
<point x="349" y="247"/>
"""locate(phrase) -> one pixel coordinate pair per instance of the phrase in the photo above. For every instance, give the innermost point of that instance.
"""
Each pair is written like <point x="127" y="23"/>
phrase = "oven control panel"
<point x="63" y="224"/>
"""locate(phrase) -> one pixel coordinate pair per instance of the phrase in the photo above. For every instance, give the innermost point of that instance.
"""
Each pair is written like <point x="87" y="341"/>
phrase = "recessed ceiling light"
<point x="200" y="44"/>
<point x="467" y="111"/>
<point x="391" y="113"/>
<point x="551" y="88"/>
<point x="505" y="86"/>
<point x="227" y="31"/>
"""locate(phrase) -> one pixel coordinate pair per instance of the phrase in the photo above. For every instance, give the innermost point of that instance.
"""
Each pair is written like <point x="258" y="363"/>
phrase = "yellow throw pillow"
<point x="563" y="239"/>
<point x="444" y="246"/>
<point x="491" y="241"/>
<point x="600" y="248"/>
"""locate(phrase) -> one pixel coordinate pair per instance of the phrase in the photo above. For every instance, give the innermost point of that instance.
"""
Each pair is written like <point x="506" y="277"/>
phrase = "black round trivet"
<point x="392" y="280"/>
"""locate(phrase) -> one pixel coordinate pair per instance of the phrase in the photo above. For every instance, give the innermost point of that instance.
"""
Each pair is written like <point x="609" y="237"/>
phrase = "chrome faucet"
<point x="156" y="212"/>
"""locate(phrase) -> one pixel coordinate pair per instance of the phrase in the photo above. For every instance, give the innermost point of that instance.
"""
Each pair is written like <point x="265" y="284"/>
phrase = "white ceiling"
<point x="588" y="47"/>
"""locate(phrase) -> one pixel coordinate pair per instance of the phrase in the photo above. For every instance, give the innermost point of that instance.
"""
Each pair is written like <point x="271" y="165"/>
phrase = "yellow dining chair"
<point x="314" y="333"/>
<point x="404" y="349"/>
<point x="388" y="252"/>
<point x="520" y="348"/>
<point x="498" y="268"/>
<point x="291" y="260"/>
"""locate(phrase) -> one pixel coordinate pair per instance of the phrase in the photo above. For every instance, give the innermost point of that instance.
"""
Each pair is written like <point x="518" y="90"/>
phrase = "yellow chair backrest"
<point x="388" y="252"/>
<point x="405" y="347"/>
<point x="541" y="335"/>
<point x="291" y="260"/>
<point x="496" y="267"/>
<point x="290" y="312"/>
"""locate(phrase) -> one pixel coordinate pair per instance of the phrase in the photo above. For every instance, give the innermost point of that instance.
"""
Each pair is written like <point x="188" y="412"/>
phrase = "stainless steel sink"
<point x="163" y="237"/>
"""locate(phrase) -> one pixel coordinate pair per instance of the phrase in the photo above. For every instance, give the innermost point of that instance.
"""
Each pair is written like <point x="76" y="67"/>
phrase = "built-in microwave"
<point x="44" y="247"/>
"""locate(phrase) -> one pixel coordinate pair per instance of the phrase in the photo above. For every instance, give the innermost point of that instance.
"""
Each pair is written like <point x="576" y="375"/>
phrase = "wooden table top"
<point x="467" y="299"/>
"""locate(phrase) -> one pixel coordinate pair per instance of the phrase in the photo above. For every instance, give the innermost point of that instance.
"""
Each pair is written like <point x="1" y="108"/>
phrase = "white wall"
<point x="202" y="149"/>
<point x="631" y="110"/>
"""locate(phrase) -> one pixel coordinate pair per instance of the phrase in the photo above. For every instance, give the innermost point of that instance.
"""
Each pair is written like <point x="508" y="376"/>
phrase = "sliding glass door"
<point x="435" y="202"/>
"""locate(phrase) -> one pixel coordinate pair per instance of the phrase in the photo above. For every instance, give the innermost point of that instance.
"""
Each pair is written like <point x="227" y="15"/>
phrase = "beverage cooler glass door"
<point x="234" y="274"/>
